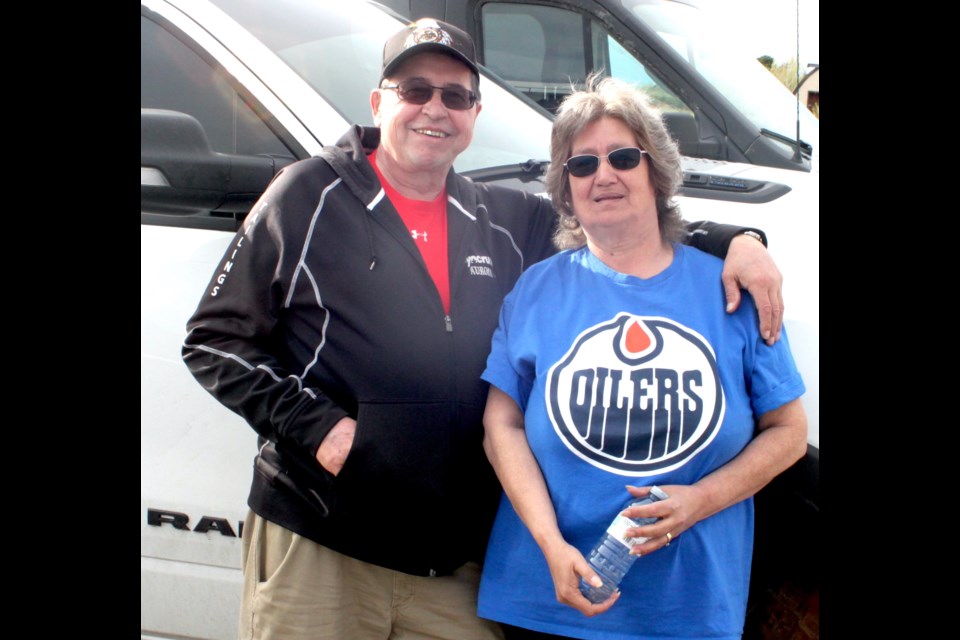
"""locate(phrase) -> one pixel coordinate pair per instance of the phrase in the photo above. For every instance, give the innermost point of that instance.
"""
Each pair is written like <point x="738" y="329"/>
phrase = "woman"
<point x="614" y="364"/>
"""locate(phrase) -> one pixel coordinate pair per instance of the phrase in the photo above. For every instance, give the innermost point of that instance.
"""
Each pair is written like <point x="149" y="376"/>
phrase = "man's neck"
<point x="418" y="185"/>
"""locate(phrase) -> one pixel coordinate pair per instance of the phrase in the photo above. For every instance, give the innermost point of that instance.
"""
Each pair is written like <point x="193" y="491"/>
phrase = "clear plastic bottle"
<point x="610" y="557"/>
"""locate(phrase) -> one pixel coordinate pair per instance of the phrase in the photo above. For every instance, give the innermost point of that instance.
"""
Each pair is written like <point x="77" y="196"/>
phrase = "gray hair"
<point x="613" y="98"/>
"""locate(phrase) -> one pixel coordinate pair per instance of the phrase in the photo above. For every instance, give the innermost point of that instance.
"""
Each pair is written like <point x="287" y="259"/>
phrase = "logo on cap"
<point x="636" y="395"/>
<point x="426" y="33"/>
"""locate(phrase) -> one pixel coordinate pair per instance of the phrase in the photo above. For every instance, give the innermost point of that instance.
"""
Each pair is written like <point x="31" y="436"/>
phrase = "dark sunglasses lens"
<point x="419" y="92"/>
<point x="623" y="159"/>
<point x="415" y="92"/>
<point x="456" y="98"/>
<point x="582" y="166"/>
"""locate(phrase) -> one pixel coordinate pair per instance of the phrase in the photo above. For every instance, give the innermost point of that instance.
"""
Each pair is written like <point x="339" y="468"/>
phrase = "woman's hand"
<point x="567" y="565"/>
<point x="683" y="509"/>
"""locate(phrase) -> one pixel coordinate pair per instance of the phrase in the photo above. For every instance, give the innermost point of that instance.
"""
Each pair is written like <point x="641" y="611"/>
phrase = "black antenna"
<point x="796" y="155"/>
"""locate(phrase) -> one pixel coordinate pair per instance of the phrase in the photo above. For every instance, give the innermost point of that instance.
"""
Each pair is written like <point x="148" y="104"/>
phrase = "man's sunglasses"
<point x="419" y="91"/>
<point x="620" y="159"/>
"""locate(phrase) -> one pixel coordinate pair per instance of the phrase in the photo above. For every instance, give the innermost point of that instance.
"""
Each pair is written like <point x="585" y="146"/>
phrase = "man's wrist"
<point x="756" y="235"/>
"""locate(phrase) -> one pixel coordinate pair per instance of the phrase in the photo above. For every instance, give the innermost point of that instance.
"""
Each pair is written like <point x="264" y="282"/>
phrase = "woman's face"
<point x="611" y="200"/>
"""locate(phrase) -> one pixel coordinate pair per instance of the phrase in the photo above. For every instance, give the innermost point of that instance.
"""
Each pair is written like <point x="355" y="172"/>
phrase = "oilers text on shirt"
<point x="636" y="395"/>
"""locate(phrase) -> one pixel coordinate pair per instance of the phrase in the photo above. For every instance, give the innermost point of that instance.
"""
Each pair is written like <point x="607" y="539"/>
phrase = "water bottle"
<point x="610" y="557"/>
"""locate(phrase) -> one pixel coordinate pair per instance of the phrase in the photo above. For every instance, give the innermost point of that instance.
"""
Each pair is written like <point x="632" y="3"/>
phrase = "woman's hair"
<point x="613" y="98"/>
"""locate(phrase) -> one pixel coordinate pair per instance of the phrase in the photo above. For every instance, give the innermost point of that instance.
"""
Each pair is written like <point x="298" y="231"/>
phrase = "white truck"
<point x="232" y="91"/>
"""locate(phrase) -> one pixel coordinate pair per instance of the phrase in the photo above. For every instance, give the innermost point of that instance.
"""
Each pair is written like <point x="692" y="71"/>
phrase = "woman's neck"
<point x="643" y="258"/>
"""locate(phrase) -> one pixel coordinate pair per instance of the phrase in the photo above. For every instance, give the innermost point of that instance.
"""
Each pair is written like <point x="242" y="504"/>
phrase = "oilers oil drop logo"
<point x="636" y="395"/>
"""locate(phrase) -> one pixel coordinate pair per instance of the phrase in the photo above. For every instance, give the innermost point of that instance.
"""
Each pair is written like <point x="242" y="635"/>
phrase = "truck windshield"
<point x="716" y="55"/>
<point x="337" y="47"/>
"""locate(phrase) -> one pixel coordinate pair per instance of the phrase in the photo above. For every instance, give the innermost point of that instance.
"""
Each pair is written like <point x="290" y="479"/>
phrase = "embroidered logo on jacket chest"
<point x="480" y="266"/>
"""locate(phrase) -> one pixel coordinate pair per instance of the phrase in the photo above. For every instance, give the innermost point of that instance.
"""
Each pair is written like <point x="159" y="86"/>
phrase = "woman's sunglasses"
<point x="620" y="159"/>
<point x="419" y="91"/>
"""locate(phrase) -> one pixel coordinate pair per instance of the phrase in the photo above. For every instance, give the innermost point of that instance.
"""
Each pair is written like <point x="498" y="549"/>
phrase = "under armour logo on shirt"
<point x="416" y="236"/>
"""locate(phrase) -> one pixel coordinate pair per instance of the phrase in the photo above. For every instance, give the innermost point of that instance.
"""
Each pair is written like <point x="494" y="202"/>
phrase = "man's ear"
<point x="375" y="99"/>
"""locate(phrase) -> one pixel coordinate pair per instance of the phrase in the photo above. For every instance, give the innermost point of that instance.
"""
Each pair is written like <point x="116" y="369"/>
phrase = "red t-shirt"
<point x="426" y="221"/>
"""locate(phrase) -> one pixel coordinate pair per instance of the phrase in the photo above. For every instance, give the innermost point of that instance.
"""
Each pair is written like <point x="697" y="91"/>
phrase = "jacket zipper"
<point x="452" y="350"/>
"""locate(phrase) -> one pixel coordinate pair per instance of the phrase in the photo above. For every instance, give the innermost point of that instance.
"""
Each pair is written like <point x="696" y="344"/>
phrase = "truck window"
<point x="174" y="77"/>
<point x="543" y="50"/>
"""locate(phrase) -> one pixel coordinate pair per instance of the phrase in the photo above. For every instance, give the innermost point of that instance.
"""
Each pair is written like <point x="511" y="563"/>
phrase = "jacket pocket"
<point x="426" y="448"/>
<point x="289" y="472"/>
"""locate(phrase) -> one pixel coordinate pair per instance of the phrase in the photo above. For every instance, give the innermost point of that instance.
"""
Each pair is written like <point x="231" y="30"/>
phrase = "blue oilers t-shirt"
<point x="635" y="381"/>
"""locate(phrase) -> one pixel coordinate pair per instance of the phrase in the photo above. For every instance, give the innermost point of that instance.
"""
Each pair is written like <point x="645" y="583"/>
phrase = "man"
<point x="355" y="318"/>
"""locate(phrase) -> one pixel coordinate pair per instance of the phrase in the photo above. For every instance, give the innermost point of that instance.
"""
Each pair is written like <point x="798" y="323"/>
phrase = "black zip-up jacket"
<point x="323" y="308"/>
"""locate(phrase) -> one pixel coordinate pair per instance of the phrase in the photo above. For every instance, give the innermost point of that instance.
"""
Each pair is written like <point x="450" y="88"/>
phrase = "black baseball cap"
<point x="428" y="34"/>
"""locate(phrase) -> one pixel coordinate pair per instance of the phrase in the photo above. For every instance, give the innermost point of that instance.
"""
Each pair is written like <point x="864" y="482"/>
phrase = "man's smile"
<point x="433" y="133"/>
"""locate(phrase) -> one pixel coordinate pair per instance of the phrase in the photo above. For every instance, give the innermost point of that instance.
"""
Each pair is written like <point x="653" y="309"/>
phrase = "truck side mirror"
<point x="181" y="175"/>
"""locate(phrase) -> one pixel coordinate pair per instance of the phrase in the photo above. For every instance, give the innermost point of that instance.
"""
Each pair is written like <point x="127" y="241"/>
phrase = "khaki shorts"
<point x="295" y="588"/>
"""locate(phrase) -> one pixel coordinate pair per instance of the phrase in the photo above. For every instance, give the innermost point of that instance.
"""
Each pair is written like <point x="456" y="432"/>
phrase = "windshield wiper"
<point x="524" y="172"/>
<point x="805" y="147"/>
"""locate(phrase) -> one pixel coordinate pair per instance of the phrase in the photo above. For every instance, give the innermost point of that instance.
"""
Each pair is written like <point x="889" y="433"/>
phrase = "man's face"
<point x="428" y="137"/>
